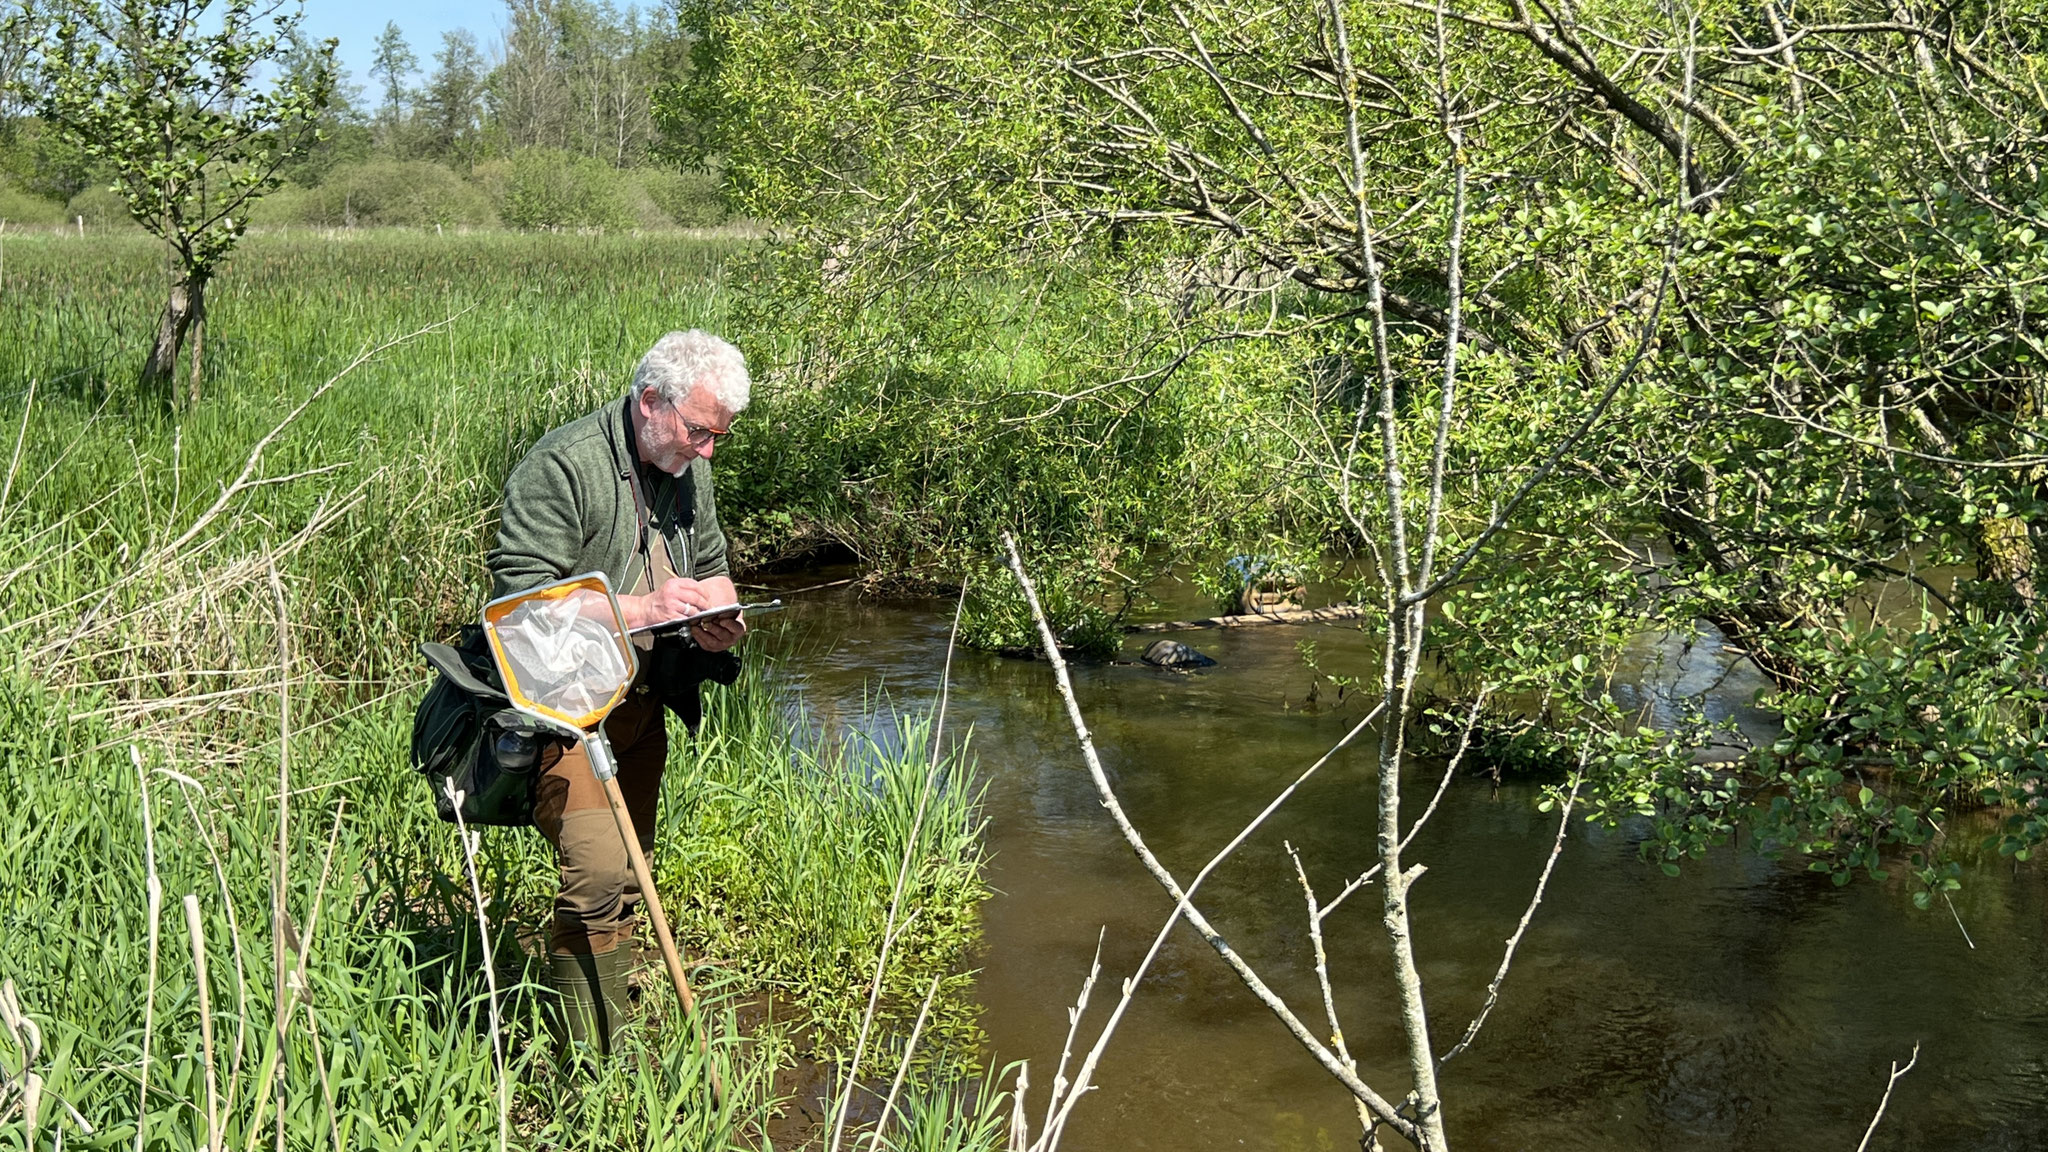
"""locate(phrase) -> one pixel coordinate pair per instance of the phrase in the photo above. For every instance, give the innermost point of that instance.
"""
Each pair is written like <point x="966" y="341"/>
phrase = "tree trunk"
<point x="2006" y="559"/>
<point x="1748" y="622"/>
<point x="1404" y="637"/>
<point x="159" y="370"/>
<point x="196" y="329"/>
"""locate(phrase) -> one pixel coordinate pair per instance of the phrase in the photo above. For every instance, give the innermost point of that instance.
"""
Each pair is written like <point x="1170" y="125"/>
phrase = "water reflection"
<point x="1744" y="1005"/>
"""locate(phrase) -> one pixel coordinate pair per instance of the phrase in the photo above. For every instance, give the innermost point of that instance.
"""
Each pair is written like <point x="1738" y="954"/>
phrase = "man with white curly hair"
<point x="625" y="491"/>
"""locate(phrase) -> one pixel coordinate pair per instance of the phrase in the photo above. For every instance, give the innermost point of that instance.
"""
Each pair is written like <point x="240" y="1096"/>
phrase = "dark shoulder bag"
<point x="678" y="669"/>
<point x="465" y="734"/>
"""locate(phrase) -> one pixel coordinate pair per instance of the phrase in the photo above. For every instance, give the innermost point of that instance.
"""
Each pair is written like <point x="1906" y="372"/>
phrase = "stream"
<point x="1746" y="1004"/>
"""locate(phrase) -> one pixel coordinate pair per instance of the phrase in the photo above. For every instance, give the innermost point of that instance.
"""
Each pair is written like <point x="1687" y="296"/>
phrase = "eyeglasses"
<point x="694" y="435"/>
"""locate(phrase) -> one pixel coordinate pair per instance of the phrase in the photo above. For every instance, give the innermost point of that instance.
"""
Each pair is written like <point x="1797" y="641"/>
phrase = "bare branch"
<point x="1897" y="1072"/>
<point x="1381" y="1108"/>
<point x="255" y="457"/>
<point x="1507" y="958"/>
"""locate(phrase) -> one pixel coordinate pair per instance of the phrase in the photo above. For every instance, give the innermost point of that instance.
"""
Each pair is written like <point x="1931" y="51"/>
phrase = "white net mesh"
<point x="565" y="654"/>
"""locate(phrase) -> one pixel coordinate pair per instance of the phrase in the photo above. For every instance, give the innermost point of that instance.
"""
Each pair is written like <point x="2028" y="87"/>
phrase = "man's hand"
<point x="681" y="597"/>
<point x="717" y="635"/>
<point x="674" y="600"/>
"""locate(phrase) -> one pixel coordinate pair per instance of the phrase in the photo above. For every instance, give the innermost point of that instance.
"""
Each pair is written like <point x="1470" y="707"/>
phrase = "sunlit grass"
<point x="137" y="609"/>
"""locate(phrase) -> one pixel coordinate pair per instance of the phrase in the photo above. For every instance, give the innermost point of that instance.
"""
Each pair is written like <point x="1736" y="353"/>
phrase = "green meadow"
<point x="208" y="642"/>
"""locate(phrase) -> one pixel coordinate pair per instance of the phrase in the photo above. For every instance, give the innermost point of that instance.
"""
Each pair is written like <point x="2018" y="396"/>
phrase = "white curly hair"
<point x="682" y="361"/>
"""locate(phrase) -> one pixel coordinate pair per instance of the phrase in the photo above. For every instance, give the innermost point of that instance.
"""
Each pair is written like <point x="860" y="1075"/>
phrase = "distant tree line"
<point x="544" y="122"/>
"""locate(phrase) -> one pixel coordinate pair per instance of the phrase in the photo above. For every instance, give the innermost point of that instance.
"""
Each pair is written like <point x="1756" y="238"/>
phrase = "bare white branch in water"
<point x="1522" y="927"/>
<point x="1887" y="1098"/>
<point x="1381" y="1108"/>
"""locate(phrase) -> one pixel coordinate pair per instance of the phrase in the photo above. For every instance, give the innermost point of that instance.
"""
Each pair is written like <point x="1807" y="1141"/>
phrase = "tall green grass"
<point x="138" y="610"/>
<point x="391" y="1048"/>
<point x="779" y="859"/>
<point x="532" y="331"/>
<point x="792" y="861"/>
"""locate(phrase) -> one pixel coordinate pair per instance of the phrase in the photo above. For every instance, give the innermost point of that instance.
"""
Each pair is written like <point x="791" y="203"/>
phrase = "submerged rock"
<point x="1174" y="654"/>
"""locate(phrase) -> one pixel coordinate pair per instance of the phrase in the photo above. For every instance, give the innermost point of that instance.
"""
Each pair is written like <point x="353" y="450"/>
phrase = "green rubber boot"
<point x="592" y="1005"/>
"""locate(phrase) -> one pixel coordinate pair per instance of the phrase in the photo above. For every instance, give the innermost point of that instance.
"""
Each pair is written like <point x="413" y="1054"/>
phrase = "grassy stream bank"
<point x="184" y="602"/>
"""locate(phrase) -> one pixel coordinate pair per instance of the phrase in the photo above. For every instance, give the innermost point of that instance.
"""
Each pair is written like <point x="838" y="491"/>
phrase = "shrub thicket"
<point x="19" y="207"/>
<point x="534" y="189"/>
<point x="686" y="199"/>
<point x="400" y="193"/>
<point x="100" y="207"/>
<point x="547" y="189"/>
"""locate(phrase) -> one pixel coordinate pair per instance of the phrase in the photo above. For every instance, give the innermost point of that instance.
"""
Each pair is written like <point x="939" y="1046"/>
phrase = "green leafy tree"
<point x="1785" y="262"/>
<point x="392" y="66"/>
<point x="547" y="189"/>
<point x="1844" y="397"/>
<point x="687" y="98"/>
<point x="344" y="133"/>
<point x="166" y="94"/>
<point x="451" y="108"/>
<point x="18" y="35"/>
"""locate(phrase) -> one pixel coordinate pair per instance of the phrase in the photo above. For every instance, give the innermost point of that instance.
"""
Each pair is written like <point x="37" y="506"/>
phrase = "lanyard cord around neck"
<point x="650" y="536"/>
<point x="643" y="520"/>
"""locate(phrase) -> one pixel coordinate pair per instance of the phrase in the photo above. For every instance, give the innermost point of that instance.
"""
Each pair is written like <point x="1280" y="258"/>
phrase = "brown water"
<point x="1744" y="1005"/>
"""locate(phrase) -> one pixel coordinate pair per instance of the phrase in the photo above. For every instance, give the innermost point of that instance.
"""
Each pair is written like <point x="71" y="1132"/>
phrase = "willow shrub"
<point x="547" y="188"/>
<point x="19" y="208"/>
<point x="383" y="192"/>
<point x="913" y="420"/>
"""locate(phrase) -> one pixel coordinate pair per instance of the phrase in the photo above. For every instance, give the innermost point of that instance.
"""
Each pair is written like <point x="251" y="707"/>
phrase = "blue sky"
<point x="356" y="23"/>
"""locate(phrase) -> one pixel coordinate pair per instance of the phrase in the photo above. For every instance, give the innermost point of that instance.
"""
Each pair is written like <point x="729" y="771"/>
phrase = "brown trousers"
<point x="598" y="905"/>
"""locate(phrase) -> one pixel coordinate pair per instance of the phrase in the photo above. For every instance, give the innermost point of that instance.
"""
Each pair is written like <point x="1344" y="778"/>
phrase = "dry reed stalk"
<point x="326" y="1085"/>
<point x="28" y="1088"/>
<point x="207" y="836"/>
<point x="22" y="1092"/>
<point x="1020" y="1128"/>
<point x="296" y="981"/>
<point x="83" y="436"/>
<point x="100" y="639"/>
<point x="243" y="482"/>
<point x="197" y="929"/>
<point x="154" y="637"/>
<point x="280" y="921"/>
<point x="20" y="437"/>
<point x="903" y="1066"/>
<point x="483" y="927"/>
<point x="154" y="890"/>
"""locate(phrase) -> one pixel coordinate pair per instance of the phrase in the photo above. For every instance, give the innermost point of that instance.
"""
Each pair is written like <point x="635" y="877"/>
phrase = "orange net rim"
<point x="497" y="609"/>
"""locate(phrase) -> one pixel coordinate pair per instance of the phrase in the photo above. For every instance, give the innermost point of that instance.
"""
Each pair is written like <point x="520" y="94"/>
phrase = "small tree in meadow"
<point x="165" y="93"/>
